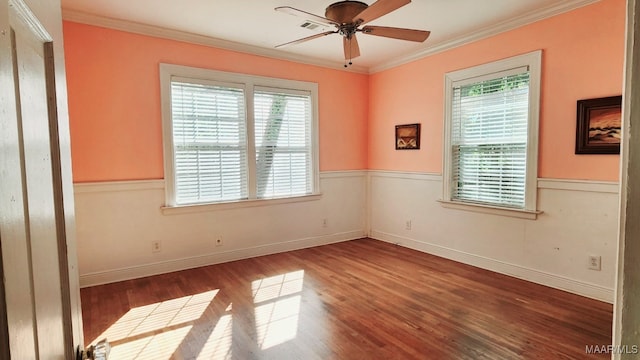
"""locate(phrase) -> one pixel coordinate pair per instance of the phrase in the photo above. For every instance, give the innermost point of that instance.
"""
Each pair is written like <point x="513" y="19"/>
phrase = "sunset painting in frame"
<point x="599" y="122"/>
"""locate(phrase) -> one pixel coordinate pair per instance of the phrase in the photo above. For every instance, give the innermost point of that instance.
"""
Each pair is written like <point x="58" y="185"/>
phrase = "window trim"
<point x="533" y="61"/>
<point x="249" y="83"/>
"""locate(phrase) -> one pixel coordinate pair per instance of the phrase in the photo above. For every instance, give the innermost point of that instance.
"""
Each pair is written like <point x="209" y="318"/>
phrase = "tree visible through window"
<point x="491" y="122"/>
<point x="237" y="140"/>
<point x="282" y="135"/>
<point x="489" y="141"/>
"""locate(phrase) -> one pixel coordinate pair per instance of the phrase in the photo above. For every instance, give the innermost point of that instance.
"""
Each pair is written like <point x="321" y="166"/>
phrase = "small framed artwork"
<point x="408" y="137"/>
<point x="598" y="130"/>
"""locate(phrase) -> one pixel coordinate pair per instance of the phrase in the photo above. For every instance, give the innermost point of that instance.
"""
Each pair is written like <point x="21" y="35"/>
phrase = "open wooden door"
<point x="41" y="291"/>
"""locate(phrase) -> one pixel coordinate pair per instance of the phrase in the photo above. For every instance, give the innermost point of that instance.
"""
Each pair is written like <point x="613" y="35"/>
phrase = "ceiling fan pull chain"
<point x="345" y="60"/>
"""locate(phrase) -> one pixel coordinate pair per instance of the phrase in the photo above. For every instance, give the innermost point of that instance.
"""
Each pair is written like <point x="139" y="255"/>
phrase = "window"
<point x="209" y="142"/>
<point x="283" y="156"/>
<point x="232" y="137"/>
<point x="491" y="127"/>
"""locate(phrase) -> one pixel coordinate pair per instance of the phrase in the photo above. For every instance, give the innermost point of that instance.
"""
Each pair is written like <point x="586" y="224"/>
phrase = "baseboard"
<point x="133" y="272"/>
<point x="539" y="277"/>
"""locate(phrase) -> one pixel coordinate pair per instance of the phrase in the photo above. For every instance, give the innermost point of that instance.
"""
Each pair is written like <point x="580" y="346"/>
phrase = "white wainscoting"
<point x="118" y="221"/>
<point x="580" y="218"/>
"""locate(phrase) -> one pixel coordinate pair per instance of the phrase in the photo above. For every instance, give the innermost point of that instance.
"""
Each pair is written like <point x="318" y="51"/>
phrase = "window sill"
<point x="493" y="210"/>
<point x="196" y="208"/>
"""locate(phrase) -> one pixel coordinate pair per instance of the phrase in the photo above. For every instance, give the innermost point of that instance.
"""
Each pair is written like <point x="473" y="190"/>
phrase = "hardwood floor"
<point x="361" y="299"/>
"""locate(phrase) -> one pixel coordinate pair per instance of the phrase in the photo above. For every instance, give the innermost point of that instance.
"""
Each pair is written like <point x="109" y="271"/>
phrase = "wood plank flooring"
<point x="361" y="299"/>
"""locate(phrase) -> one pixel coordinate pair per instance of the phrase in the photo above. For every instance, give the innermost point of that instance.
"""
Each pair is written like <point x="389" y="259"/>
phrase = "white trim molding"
<point x="249" y="86"/>
<point x="612" y="187"/>
<point x="182" y="36"/>
<point x="543" y="183"/>
<point x="340" y="174"/>
<point x="117" y="186"/>
<point x="239" y="204"/>
<point x="487" y="32"/>
<point x="529" y="63"/>
<point x="409" y="175"/>
<point x="477" y="34"/>
<point x="127" y="185"/>
<point x="491" y="210"/>
<point x="536" y="276"/>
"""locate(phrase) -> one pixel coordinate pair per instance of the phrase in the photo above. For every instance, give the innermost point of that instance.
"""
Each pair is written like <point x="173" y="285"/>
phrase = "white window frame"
<point x="249" y="83"/>
<point x="533" y="61"/>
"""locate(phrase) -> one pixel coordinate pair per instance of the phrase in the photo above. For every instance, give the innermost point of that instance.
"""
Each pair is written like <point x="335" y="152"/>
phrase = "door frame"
<point x="44" y="19"/>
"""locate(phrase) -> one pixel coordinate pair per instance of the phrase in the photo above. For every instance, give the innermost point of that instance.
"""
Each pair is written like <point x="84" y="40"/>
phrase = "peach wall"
<point x="114" y="97"/>
<point x="114" y="101"/>
<point x="583" y="57"/>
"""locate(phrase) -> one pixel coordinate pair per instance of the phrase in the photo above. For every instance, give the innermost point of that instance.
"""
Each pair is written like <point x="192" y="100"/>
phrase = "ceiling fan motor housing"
<point x="343" y="12"/>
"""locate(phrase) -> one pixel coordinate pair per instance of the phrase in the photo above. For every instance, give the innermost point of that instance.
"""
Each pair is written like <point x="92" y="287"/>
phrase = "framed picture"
<point x="408" y="137"/>
<point x="598" y="128"/>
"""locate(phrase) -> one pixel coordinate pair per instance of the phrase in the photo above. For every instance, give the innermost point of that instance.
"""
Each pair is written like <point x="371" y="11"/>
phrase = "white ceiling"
<point x="255" y="23"/>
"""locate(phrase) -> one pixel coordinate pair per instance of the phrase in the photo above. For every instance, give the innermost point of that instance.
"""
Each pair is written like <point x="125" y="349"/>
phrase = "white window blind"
<point x="283" y="143"/>
<point x="209" y="139"/>
<point x="489" y="140"/>
<point x="235" y="140"/>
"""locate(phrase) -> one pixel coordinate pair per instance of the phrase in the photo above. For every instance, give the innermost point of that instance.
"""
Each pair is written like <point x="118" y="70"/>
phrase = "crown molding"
<point x="489" y="31"/>
<point x="160" y="32"/>
<point x="155" y="31"/>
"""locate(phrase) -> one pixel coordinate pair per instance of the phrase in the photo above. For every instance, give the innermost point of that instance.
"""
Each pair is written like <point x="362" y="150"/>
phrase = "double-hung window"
<point x="491" y="132"/>
<point x="234" y="137"/>
<point x="209" y="141"/>
<point x="282" y="139"/>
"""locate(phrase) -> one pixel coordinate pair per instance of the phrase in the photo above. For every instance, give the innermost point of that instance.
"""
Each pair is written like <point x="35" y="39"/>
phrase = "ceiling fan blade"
<point x="296" y="12"/>
<point x="307" y="38"/>
<point x="397" y="33"/>
<point x="351" y="48"/>
<point x="378" y="9"/>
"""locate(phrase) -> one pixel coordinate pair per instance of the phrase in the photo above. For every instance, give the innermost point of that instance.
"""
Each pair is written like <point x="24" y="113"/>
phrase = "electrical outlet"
<point x="325" y="222"/>
<point x="156" y="246"/>
<point x="219" y="241"/>
<point x="407" y="225"/>
<point x="595" y="262"/>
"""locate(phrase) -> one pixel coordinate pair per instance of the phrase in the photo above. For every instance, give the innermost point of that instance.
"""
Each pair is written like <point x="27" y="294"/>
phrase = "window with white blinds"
<point x="209" y="142"/>
<point x="283" y="143"/>
<point x="489" y="140"/>
<point x="233" y="137"/>
<point x="492" y="129"/>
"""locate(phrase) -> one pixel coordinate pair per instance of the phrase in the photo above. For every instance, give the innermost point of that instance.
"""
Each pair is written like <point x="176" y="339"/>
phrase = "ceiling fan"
<point x="349" y="16"/>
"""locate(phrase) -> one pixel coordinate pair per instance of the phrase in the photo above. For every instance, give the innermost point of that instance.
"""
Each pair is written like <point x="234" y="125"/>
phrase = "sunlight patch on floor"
<point x="278" y="308"/>
<point x="277" y="322"/>
<point x="155" y="347"/>
<point x="160" y="331"/>
<point x="218" y="345"/>
<point x="277" y="286"/>
<point x="150" y="318"/>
